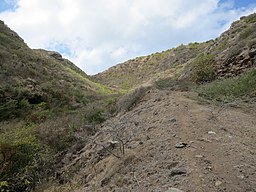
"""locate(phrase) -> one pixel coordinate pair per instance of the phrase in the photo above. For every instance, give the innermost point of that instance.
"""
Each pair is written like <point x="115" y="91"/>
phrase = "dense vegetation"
<point x="44" y="101"/>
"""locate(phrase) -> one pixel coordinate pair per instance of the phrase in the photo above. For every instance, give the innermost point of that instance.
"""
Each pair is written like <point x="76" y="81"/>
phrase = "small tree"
<point x="114" y="136"/>
<point x="123" y="135"/>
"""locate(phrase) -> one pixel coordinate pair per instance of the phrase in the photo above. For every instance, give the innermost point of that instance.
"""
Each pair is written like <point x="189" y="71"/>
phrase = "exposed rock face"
<point x="237" y="65"/>
<point x="235" y="49"/>
<point x="56" y="55"/>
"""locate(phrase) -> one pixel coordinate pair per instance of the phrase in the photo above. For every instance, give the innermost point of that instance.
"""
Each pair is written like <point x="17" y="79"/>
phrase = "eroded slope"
<point x="173" y="141"/>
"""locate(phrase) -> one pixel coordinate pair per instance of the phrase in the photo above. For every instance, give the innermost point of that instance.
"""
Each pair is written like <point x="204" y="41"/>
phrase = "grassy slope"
<point x="149" y="68"/>
<point x="228" y="90"/>
<point x="36" y="76"/>
<point x="44" y="100"/>
<point x="185" y="61"/>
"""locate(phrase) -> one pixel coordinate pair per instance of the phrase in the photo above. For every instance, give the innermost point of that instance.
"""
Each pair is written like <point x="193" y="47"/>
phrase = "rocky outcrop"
<point x="56" y="55"/>
<point x="235" y="49"/>
<point x="237" y="65"/>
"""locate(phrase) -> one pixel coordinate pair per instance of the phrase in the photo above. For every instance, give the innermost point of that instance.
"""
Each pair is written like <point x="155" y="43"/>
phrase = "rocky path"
<point x="179" y="143"/>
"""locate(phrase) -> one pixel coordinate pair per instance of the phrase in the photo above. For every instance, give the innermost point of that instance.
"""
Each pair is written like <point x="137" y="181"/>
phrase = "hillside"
<point x="186" y="124"/>
<point x="177" y="121"/>
<point x="40" y="76"/>
<point x="150" y="68"/>
<point x="231" y="54"/>
<point x="44" y="99"/>
<point x="171" y="141"/>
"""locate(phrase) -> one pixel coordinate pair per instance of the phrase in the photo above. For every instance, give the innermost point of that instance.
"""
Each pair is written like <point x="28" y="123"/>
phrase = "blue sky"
<point x="10" y="4"/>
<point x="98" y="34"/>
<point x="241" y="3"/>
<point x="6" y="5"/>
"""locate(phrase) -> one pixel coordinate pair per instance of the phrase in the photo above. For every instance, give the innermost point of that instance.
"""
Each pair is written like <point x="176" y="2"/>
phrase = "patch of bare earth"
<point x="177" y="143"/>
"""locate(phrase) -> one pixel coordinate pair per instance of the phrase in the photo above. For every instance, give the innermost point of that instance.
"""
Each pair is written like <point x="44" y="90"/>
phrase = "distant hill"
<point x="231" y="54"/>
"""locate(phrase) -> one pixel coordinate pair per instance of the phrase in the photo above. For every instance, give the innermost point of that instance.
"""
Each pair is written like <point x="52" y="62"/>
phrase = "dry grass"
<point x="129" y="100"/>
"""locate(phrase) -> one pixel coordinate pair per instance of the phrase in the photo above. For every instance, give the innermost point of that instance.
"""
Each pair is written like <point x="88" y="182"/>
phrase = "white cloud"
<point x="118" y="53"/>
<point x="100" y="33"/>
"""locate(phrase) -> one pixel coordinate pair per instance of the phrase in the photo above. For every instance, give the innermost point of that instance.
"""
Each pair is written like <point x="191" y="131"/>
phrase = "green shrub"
<point x="24" y="104"/>
<point x="18" y="148"/>
<point x="80" y="97"/>
<point x="193" y="45"/>
<point x="251" y="18"/>
<point x="228" y="90"/>
<point x="203" y="68"/>
<point x="96" y="116"/>
<point x="8" y="109"/>
<point x="14" y="108"/>
<point x="222" y="46"/>
<point x="248" y="31"/>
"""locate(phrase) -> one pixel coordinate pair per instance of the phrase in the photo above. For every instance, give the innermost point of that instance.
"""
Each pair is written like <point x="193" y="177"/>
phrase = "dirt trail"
<point x="180" y="143"/>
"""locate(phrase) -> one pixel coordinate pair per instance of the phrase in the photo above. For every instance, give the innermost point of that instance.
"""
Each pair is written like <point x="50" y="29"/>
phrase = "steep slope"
<point x="231" y="54"/>
<point x="169" y="140"/>
<point x="36" y="76"/>
<point x="44" y="100"/>
<point x="235" y="50"/>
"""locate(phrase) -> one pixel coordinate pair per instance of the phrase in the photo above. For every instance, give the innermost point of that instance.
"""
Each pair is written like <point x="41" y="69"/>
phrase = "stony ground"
<point x="173" y="141"/>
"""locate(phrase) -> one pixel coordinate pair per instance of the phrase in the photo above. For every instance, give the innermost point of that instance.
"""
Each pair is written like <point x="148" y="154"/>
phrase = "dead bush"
<point x="128" y="101"/>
